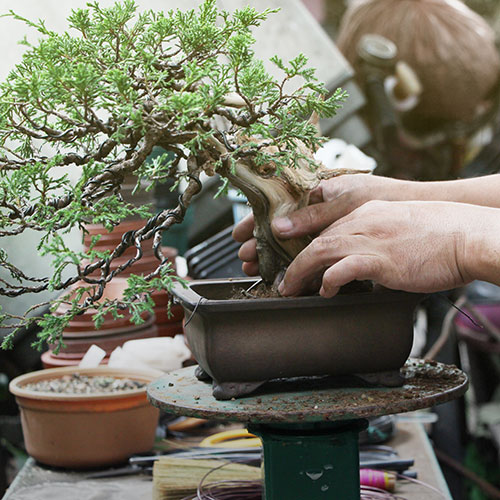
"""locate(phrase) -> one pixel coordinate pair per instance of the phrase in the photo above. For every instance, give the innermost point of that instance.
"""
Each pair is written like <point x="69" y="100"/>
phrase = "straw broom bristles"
<point x="176" y="478"/>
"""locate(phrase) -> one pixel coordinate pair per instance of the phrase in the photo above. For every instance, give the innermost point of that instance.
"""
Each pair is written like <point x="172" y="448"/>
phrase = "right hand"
<point x="330" y="201"/>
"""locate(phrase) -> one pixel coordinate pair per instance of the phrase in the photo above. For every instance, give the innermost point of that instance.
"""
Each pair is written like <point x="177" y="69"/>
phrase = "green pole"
<point x="311" y="461"/>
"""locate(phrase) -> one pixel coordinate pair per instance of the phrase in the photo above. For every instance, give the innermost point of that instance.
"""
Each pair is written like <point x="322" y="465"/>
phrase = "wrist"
<point x="400" y="190"/>
<point x="406" y="190"/>
<point x="479" y="257"/>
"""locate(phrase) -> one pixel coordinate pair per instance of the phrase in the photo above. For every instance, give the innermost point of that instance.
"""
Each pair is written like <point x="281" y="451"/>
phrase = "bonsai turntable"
<point x="309" y="426"/>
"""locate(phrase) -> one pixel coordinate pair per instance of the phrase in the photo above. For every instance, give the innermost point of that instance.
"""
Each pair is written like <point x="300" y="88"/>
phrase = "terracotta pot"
<point x="109" y="241"/>
<point x="109" y="343"/>
<point x="114" y="290"/>
<point x="87" y="327"/>
<point x="170" y="329"/>
<point x="128" y="254"/>
<point x="84" y="431"/>
<point x="116" y="233"/>
<point x="51" y="360"/>
<point x="146" y="264"/>
<point x="162" y="316"/>
<point x="109" y="339"/>
<point x="161" y="297"/>
<point x="108" y="332"/>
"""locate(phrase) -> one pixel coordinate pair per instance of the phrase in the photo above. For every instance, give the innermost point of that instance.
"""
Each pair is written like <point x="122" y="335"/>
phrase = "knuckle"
<point x="322" y="246"/>
<point x="357" y="262"/>
<point x="365" y="268"/>
<point x="304" y="218"/>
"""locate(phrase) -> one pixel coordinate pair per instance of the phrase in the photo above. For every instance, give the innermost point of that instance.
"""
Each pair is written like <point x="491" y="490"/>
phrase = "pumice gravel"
<point x="83" y="384"/>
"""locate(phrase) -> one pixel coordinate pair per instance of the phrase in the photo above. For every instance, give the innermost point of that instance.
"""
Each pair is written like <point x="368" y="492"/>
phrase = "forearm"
<point x="481" y="249"/>
<point x="483" y="191"/>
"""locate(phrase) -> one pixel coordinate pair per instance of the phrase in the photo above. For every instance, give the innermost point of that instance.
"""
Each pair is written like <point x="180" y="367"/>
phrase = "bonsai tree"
<point x="100" y="98"/>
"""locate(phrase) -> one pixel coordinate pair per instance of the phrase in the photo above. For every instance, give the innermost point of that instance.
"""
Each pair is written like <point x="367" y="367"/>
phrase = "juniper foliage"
<point x="100" y="97"/>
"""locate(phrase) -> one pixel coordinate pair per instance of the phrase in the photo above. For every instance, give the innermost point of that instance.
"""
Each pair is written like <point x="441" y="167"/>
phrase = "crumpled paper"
<point x="160" y="353"/>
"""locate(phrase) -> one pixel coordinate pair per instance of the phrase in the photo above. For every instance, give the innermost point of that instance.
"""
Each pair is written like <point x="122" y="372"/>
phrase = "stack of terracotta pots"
<point x="110" y="240"/>
<point x="168" y="320"/>
<point x="81" y="333"/>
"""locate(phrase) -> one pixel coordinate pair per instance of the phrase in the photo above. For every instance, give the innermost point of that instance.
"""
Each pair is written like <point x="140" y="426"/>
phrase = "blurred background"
<point x="423" y="83"/>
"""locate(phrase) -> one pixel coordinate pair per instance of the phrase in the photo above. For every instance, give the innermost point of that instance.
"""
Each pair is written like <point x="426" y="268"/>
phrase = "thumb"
<point x="308" y="220"/>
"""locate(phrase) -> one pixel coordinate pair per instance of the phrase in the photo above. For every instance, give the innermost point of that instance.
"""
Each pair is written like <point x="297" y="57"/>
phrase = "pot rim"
<point x="74" y="332"/>
<point x="191" y="300"/>
<point x="17" y="389"/>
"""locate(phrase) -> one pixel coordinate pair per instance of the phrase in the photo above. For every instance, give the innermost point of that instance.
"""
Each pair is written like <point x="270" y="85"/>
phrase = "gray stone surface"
<point x="36" y="482"/>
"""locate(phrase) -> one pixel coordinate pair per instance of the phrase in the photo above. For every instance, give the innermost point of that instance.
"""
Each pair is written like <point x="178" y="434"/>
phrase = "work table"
<point x="36" y="482"/>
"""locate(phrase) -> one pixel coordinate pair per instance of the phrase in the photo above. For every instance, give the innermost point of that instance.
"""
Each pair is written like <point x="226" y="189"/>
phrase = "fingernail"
<point x="283" y="224"/>
<point x="281" y="288"/>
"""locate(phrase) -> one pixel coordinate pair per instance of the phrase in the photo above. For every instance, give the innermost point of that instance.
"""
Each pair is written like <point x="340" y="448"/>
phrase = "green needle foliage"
<point x="100" y="97"/>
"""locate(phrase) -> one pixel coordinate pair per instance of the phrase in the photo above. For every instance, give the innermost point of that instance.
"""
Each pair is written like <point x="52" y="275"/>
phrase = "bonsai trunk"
<point x="273" y="194"/>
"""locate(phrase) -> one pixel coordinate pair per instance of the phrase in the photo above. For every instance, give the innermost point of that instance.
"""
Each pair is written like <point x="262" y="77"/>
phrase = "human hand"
<point x="413" y="246"/>
<point x="331" y="200"/>
<point x="243" y="233"/>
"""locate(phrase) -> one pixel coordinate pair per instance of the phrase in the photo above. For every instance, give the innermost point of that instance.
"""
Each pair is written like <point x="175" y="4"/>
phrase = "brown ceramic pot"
<point x="85" y="431"/>
<point x="110" y="324"/>
<point x="241" y="343"/>
<point x="111" y="236"/>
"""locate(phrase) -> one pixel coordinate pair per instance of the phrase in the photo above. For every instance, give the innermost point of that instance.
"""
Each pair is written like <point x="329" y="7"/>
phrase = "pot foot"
<point x="228" y="390"/>
<point x="201" y="374"/>
<point x="391" y="378"/>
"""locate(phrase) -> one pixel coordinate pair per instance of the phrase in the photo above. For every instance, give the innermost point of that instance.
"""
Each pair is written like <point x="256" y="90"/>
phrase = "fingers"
<point x="250" y="268"/>
<point x="350" y="268"/>
<point x="243" y="231"/>
<point x="248" y="251"/>
<point x="248" y="254"/>
<point x="310" y="264"/>
<point x="308" y="220"/>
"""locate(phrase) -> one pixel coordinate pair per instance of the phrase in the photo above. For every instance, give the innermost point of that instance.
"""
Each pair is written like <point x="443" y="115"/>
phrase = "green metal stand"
<point x="311" y="461"/>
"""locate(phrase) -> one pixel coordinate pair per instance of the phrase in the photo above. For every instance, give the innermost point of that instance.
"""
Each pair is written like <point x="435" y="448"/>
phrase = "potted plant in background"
<point x="106" y="93"/>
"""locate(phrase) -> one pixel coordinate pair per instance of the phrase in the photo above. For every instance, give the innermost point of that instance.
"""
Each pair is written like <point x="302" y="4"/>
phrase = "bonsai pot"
<point x="86" y="430"/>
<point x="241" y="343"/>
